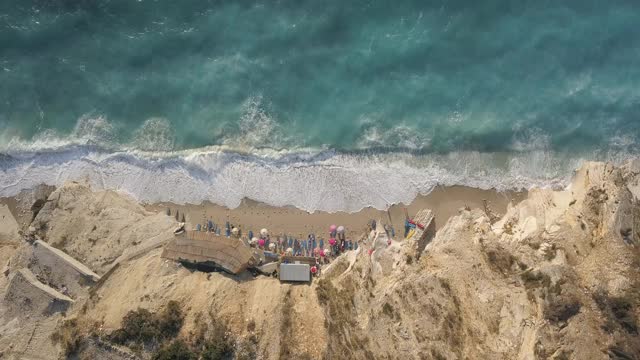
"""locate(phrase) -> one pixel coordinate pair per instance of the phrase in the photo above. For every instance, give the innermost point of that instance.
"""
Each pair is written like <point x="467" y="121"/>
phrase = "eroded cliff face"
<point x="556" y="277"/>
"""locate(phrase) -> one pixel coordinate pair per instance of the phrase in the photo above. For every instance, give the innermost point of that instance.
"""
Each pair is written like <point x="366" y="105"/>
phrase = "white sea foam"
<point x="399" y="136"/>
<point x="310" y="180"/>
<point x="155" y="134"/>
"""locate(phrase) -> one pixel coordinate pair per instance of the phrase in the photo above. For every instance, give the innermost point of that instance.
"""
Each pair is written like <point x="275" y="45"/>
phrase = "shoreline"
<point x="444" y="201"/>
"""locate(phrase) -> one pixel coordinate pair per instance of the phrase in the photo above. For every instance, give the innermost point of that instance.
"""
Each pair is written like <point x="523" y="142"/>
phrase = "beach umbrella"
<point x="332" y="228"/>
<point x="340" y="229"/>
<point x="264" y="232"/>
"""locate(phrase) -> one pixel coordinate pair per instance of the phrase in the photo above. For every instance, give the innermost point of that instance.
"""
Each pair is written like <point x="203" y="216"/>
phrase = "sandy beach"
<point x="250" y="215"/>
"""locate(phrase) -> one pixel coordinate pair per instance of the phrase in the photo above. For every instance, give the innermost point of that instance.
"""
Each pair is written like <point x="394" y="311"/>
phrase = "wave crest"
<point x="310" y="180"/>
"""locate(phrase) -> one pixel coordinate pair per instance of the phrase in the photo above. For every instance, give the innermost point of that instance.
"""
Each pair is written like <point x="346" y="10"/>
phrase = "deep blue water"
<point x="504" y="81"/>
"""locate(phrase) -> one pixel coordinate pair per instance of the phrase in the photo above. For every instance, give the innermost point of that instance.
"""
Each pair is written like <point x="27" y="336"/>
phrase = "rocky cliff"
<point x="557" y="277"/>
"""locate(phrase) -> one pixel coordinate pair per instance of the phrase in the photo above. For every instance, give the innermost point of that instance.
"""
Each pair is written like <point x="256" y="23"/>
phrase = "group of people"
<point x="309" y="247"/>
<point x="321" y="249"/>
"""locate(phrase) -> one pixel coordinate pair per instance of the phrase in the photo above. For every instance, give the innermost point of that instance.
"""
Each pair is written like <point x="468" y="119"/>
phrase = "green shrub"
<point x="561" y="308"/>
<point x="171" y="320"/>
<point x="535" y="279"/>
<point x="176" y="350"/>
<point x="143" y="327"/>
<point x="68" y="336"/>
<point x="216" y="349"/>
<point x="617" y="310"/>
<point x="212" y="340"/>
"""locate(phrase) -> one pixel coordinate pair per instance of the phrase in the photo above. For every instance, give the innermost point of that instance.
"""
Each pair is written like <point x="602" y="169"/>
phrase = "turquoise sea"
<point x="325" y="105"/>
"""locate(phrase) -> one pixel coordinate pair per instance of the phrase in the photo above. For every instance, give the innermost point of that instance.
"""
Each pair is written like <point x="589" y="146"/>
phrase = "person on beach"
<point x="296" y="247"/>
<point x="304" y="248"/>
<point x="332" y="244"/>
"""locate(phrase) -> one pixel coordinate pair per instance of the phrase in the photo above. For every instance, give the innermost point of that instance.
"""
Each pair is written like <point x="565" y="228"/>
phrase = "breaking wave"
<point x="311" y="180"/>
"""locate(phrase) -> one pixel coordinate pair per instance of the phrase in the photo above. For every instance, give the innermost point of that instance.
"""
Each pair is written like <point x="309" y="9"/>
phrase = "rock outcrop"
<point x="556" y="278"/>
<point x="97" y="227"/>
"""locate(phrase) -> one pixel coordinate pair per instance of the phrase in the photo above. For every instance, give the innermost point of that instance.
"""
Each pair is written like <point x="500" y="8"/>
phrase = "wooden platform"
<point x="203" y="247"/>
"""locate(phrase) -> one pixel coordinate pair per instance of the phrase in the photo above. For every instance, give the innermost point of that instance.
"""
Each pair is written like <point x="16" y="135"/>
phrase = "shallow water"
<point x="327" y="105"/>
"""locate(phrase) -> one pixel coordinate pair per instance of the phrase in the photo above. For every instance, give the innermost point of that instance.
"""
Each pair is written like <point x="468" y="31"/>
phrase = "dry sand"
<point x="251" y="215"/>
